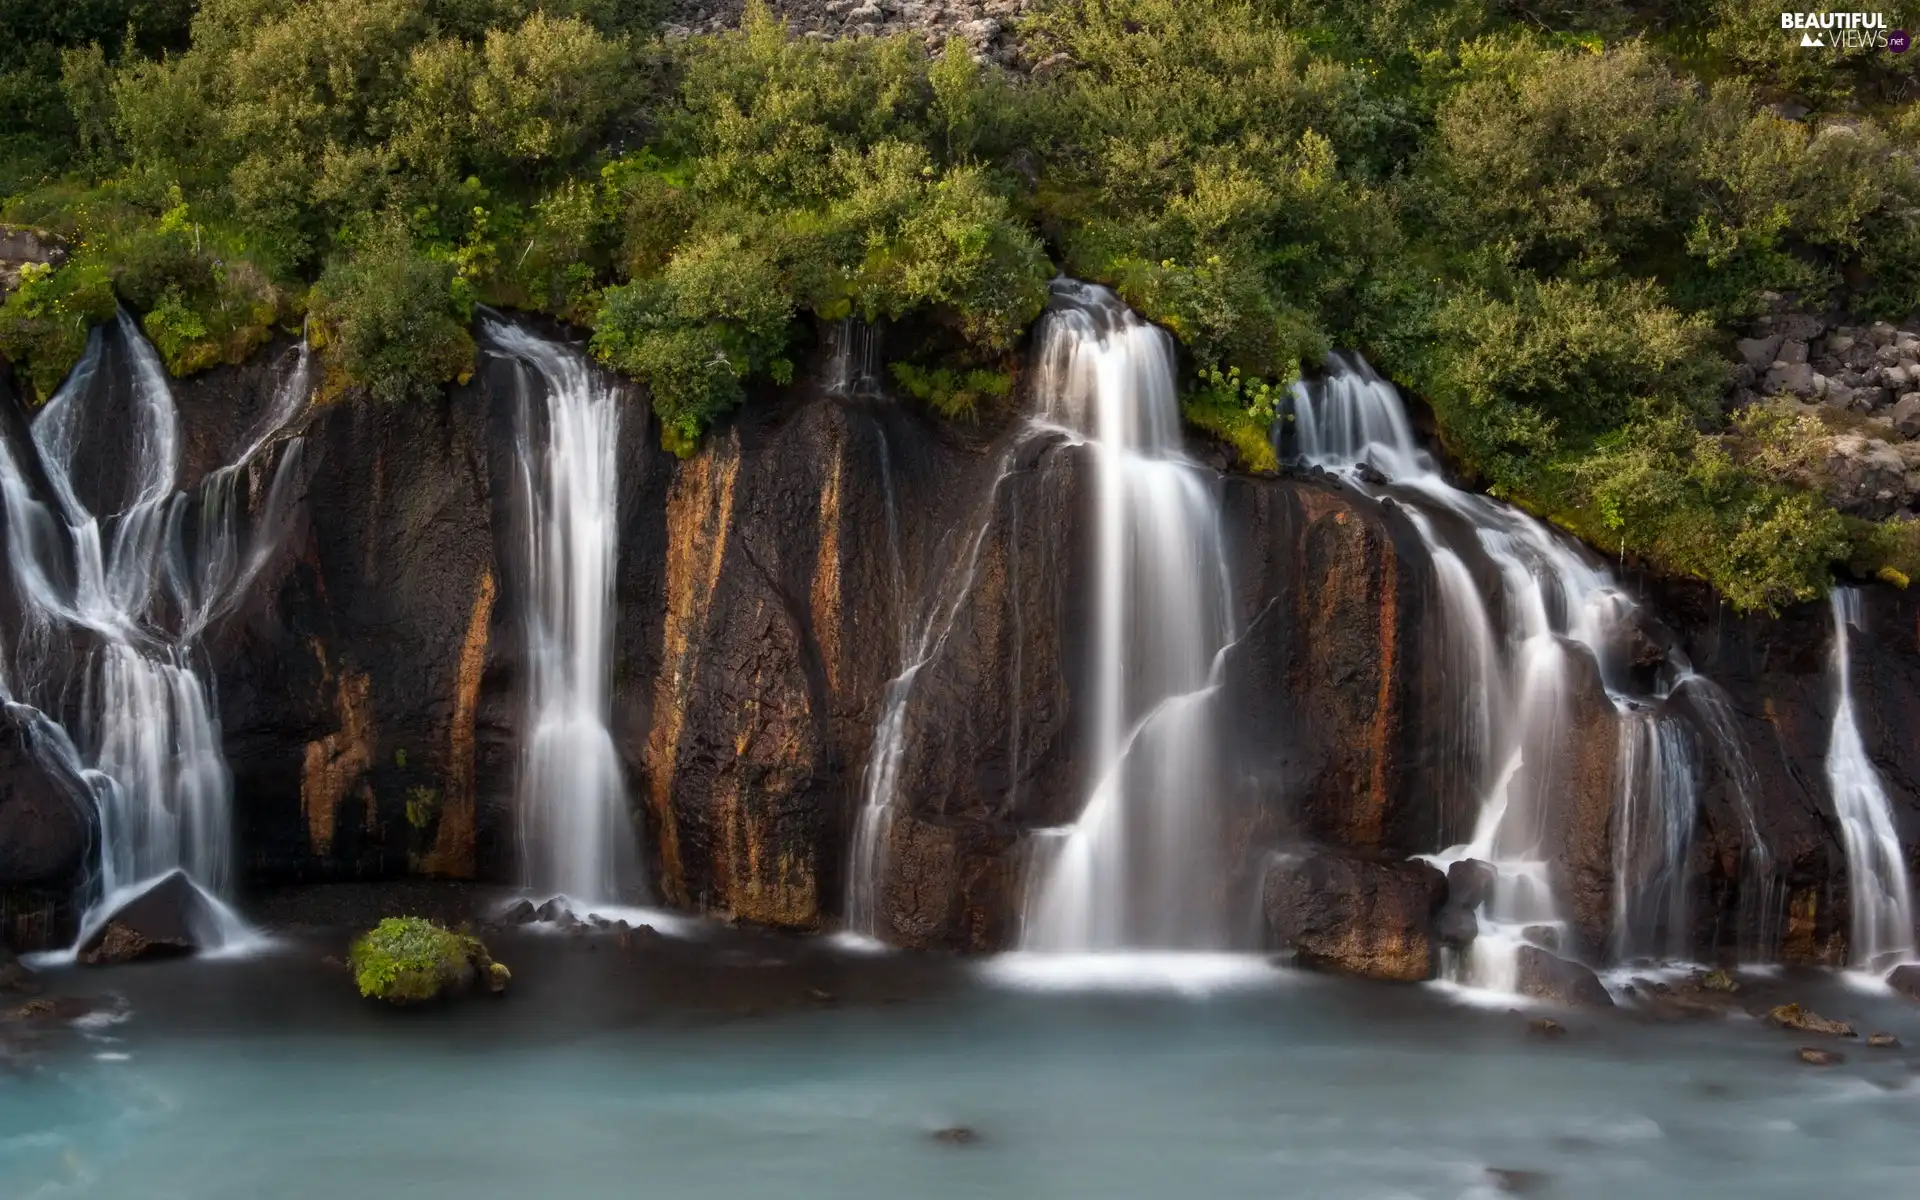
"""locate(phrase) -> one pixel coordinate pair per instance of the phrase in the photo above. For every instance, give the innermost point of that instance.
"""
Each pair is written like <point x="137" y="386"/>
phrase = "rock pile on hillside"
<point x="1863" y="381"/>
<point x="983" y="24"/>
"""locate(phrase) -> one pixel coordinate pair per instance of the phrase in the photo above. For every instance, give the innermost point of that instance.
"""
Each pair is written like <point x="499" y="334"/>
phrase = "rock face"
<point x="1355" y="916"/>
<point x="169" y="919"/>
<point x="46" y="830"/>
<point x="821" y="557"/>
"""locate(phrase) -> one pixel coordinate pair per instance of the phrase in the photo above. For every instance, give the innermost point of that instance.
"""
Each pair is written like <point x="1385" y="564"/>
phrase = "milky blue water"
<point x="1291" y="1087"/>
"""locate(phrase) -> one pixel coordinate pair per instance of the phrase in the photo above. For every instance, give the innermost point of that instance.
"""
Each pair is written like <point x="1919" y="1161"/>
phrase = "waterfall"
<point x="1882" y="901"/>
<point x="577" y="834"/>
<point x="112" y="606"/>
<point x="1513" y="686"/>
<point x="1140" y="867"/>
<point x="921" y="640"/>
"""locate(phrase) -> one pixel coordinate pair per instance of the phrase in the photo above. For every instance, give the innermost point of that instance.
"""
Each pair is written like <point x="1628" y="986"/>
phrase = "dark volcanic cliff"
<point x="769" y="589"/>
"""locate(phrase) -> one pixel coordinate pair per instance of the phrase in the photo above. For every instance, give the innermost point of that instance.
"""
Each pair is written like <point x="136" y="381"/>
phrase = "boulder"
<point x="1549" y="977"/>
<point x="409" y="960"/>
<point x="1469" y="883"/>
<point x="1905" y="980"/>
<point x="1794" y="379"/>
<point x="1356" y="916"/>
<point x="171" y="918"/>
<point x="1815" y="1057"/>
<point x="1883" y="1041"/>
<point x="1760" y="353"/>
<point x="1456" y="926"/>
<point x="1906" y="415"/>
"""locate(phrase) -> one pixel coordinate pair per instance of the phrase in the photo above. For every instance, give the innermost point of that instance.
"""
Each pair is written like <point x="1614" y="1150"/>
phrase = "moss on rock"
<point x="408" y="960"/>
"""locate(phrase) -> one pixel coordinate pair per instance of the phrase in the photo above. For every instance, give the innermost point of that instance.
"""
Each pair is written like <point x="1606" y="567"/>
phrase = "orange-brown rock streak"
<point x="338" y="763"/>
<point x="699" y="518"/>
<point x="452" y="854"/>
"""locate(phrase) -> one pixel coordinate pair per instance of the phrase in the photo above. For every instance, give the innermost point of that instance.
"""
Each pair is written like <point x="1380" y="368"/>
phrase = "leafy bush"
<point x="409" y="960"/>
<point x="391" y="320"/>
<point x="44" y="322"/>
<point x="954" y="394"/>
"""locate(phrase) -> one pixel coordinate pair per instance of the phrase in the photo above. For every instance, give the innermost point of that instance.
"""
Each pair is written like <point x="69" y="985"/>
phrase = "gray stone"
<point x="1868" y="399"/>
<point x="1757" y="353"/>
<point x="1793" y="380"/>
<point x="1547" y="976"/>
<point x="1906" y="415"/>
<point x="1791" y="351"/>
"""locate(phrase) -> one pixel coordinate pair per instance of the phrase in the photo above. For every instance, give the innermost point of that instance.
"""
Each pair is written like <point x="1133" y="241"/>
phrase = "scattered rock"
<point x="1883" y="1041"/>
<point x="171" y="918"/>
<point x="1518" y="1183"/>
<point x="520" y="912"/>
<point x="1546" y="1027"/>
<point x="1792" y="1016"/>
<point x="957" y="1135"/>
<point x="1356" y="916"/>
<point x="1546" y="976"/>
<point x="1821" y="1058"/>
<point x="555" y="911"/>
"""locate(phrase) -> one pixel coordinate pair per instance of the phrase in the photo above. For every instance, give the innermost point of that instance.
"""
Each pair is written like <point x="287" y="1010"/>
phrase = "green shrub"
<point x="954" y="394"/>
<point x="44" y="322"/>
<point x="408" y="960"/>
<point x="391" y="320"/>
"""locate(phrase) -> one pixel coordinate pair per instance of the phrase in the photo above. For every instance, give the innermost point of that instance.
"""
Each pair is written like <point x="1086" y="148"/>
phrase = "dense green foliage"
<point x="1549" y="219"/>
<point x="408" y="960"/>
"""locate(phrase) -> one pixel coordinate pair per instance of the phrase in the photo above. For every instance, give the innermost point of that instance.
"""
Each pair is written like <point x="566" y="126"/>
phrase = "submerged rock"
<point x="169" y="919"/>
<point x="1813" y="1056"/>
<point x="409" y="960"/>
<point x="957" y="1135"/>
<point x="520" y="912"/>
<point x="1883" y="1041"/>
<point x="1356" y="916"/>
<point x="1792" y="1016"/>
<point x="1547" y="976"/>
<point x="1518" y="1183"/>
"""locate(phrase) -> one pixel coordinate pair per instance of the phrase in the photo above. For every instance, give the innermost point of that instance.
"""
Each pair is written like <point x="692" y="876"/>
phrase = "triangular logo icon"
<point x="1807" y="39"/>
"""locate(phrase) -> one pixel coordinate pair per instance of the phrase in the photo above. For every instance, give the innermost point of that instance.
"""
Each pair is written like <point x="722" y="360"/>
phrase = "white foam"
<point x="858" y="943"/>
<point x="1187" y="974"/>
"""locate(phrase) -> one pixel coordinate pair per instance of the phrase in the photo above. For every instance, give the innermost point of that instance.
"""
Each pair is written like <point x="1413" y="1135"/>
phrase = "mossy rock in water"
<point x="408" y="960"/>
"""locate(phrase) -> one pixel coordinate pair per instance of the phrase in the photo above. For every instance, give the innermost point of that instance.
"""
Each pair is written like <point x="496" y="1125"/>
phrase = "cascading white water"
<point x="1882" y="899"/>
<point x="1138" y="869"/>
<point x="577" y="833"/>
<point x="922" y="638"/>
<point x="1514" y="688"/>
<point x="89" y="590"/>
